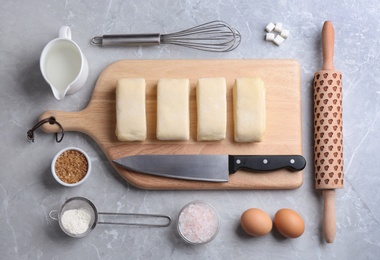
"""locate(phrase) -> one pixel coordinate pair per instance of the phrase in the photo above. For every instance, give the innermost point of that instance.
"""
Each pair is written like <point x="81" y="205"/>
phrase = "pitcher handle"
<point x="65" y="32"/>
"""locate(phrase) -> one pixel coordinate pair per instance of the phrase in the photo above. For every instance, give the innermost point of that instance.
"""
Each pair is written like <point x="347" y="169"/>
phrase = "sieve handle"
<point x="167" y="218"/>
<point x="51" y="214"/>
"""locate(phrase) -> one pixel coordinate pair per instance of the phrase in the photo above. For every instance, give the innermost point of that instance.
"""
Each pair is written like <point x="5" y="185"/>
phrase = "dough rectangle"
<point x="173" y="113"/>
<point x="249" y="109"/>
<point x="130" y="109"/>
<point x="211" y="109"/>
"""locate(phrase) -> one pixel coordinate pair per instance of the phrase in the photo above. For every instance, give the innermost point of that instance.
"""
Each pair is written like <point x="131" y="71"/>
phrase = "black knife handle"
<point x="265" y="163"/>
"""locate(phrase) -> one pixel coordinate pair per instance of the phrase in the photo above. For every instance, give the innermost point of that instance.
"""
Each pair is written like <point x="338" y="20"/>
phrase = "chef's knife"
<point x="214" y="168"/>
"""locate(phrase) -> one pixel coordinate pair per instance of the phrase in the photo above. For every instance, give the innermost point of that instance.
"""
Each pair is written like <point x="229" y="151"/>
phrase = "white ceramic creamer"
<point x="63" y="64"/>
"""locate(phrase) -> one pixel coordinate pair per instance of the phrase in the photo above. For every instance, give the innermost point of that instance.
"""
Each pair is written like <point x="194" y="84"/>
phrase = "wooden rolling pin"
<point x="328" y="131"/>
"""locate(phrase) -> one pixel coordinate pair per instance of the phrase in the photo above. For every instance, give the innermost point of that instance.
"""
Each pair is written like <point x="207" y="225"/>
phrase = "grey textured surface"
<point x="28" y="191"/>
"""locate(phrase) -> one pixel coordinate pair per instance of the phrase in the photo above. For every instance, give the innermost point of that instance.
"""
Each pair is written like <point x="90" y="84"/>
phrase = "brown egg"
<point x="256" y="222"/>
<point x="289" y="223"/>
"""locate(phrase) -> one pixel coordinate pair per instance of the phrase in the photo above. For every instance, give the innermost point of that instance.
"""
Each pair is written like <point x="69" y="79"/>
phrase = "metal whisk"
<point x="215" y="36"/>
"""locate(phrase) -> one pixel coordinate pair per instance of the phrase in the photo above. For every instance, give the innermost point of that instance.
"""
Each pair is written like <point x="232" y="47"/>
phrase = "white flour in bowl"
<point x="76" y="221"/>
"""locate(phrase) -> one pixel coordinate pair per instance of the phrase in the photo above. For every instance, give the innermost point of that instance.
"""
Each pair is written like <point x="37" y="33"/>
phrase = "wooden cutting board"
<point x="283" y="130"/>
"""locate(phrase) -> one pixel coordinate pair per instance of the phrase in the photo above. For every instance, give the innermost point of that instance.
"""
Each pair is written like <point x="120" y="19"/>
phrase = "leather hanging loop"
<point x="50" y="120"/>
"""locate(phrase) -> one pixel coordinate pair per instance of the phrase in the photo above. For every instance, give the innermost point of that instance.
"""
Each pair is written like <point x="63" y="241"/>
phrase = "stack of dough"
<point x="249" y="109"/>
<point x="130" y="109"/>
<point x="173" y="115"/>
<point x="173" y="112"/>
<point x="211" y="109"/>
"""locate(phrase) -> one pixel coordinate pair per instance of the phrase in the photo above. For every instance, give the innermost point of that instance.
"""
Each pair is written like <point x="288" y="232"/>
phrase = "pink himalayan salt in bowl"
<point x="198" y="223"/>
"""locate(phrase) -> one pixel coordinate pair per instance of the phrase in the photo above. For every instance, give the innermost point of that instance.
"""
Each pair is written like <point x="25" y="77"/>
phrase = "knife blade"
<point x="213" y="168"/>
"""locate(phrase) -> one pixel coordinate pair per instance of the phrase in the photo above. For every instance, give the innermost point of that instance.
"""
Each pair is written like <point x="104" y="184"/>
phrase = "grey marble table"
<point x="28" y="191"/>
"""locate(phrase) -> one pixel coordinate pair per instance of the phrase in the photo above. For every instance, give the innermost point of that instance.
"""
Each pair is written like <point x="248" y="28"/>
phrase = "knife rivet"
<point x="292" y="161"/>
<point x="265" y="161"/>
<point x="238" y="161"/>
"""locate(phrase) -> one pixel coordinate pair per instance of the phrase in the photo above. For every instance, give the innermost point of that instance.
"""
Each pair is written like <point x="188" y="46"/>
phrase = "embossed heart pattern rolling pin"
<point x="328" y="130"/>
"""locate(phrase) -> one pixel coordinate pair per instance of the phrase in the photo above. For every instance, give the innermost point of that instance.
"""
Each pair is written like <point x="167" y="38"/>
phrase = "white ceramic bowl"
<point x="65" y="183"/>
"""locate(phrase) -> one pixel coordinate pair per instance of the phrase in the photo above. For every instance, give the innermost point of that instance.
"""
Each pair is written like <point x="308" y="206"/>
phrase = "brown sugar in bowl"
<point x="71" y="166"/>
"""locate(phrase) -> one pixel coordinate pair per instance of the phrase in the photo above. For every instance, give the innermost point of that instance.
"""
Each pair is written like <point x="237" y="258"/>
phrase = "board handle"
<point x="70" y="121"/>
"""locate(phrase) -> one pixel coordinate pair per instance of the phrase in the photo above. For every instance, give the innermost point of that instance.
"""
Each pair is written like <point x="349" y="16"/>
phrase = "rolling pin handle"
<point x="329" y="219"/>
<point x="328" y="46"/>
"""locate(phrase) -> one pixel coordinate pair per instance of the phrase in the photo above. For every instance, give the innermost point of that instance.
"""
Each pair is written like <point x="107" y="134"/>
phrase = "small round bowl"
<point x="55" y="173"/>
<point x="198" y="223"/>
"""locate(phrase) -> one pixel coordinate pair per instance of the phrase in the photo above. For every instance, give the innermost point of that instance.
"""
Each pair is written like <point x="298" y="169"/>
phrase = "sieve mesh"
<point x="79" y="203"/>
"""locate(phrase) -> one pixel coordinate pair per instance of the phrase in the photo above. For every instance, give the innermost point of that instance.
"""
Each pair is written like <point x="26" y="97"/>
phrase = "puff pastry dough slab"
<point x="249" y="109"/>
<point x="130" y="109"/>
<point x="173" y="113"/>
<point x="211" y="109"/>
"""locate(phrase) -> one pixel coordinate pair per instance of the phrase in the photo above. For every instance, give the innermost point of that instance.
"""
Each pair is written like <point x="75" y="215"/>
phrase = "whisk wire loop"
<point x="216" y="36"/>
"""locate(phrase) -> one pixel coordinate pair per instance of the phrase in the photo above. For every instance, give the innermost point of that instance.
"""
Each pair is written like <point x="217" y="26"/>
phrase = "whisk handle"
<point x="127" y="39"/>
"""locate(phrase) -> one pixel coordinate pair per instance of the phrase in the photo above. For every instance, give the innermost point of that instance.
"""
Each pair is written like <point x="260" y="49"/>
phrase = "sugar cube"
<point x="278" y="27"/>
<point x="278" y="40"/>
<point x="269" y="37"/>
<point x="270" y="27"/>
<point x="284" y="34"/>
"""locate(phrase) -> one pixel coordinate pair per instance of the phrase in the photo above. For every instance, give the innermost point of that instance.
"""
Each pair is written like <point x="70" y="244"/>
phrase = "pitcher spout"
<point x="59" y="94"/>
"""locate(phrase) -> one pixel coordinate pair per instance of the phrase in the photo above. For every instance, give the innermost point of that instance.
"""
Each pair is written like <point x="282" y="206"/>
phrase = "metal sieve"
<point x="89" y="207"/>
